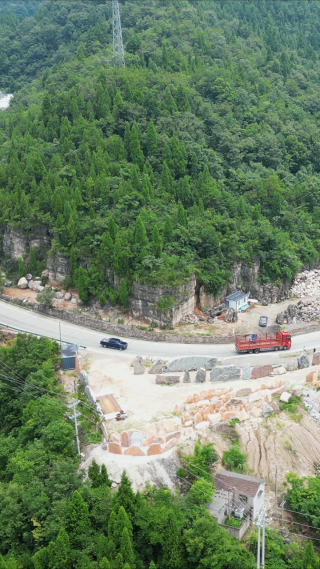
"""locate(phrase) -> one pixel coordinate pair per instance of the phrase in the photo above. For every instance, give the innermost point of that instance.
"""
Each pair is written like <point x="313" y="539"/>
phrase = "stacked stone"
<point x="303" y="311"/>
<point x="156" y="438"/>
<point x="306" y="283"/>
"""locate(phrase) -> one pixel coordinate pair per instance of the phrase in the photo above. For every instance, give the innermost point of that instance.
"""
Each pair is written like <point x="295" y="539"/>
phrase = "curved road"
<point x="29" y="321"/>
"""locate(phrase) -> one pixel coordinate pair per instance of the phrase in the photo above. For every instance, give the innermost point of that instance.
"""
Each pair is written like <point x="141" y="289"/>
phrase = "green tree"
<point x="126" y="548"/>
<point x="61" y="551"/>
<point x="136" y="153"/>
<point x="77" y="520"/>
<point x="310" y="560"/>
<point x="123" y="294"/>
<point x="152" y="140"/>
<point x="157" y="243"/>
<point x="172" y="548"/>
<point x="125" y="497"/>
<point x="168" y="230"/>
<point x="104" y="564"/>
<point x="140" y="234"/>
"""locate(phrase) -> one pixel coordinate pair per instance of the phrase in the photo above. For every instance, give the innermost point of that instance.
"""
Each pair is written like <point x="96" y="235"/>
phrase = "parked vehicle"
<point x="255" y="343"/>
<point x="263" y="321"/>
<point x="114" y="343"/>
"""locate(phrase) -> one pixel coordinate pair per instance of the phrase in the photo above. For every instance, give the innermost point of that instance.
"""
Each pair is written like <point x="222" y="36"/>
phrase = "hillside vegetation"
<point x="203" y="151"/>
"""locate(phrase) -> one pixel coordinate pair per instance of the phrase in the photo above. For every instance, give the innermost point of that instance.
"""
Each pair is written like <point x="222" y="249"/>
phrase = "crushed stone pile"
<point x="311" y="400"/>
<point x="303" y="311"/>
<point x="306" y="283"/>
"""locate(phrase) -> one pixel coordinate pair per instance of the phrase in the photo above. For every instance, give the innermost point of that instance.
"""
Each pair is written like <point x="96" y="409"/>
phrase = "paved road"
<point x="30" y="321"/>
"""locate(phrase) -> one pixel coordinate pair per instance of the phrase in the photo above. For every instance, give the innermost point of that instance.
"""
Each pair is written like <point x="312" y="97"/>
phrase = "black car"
<point x="263" y="321"/>
<point x="114" y="343"/>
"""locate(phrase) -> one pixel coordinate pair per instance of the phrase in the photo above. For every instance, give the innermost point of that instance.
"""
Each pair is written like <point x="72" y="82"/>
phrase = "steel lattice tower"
<point x="118" y="51"/>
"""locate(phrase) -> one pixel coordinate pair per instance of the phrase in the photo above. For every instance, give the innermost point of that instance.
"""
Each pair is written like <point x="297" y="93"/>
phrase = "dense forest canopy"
<point x="203" y="151"/>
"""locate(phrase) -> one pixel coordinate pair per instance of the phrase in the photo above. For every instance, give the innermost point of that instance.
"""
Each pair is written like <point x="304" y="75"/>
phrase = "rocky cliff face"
<point x="17" y="242"/>
<point x="59" y="267"/>
<point x="144" y="298"/>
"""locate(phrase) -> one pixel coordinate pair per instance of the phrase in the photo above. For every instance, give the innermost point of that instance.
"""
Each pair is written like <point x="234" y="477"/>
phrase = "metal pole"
<point x="60" y="336"/>
<point x="263" y="540"/>
<point x="258" y="547"/>
<point x="76" y="426"/>
<point x="276" y="490"/>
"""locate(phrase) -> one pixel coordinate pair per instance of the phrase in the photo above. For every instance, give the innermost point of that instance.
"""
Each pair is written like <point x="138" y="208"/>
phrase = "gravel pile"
<point x="311" y="400"/>
<point x="306" y="283"/>
<point x="303" y="311"/>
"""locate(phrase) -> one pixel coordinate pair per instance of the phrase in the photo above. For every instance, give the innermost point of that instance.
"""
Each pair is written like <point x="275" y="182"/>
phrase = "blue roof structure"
<point x="237" y="296"/>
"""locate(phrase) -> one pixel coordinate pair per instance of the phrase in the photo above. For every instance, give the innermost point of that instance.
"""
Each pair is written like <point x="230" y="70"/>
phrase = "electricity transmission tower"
<point x="118" y="51"/>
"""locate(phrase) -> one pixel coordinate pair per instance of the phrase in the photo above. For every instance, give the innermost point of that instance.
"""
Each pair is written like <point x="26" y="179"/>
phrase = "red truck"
<point x="255" y="343"/>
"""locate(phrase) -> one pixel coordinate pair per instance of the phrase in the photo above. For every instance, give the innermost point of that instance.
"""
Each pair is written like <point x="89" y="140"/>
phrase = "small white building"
<point x="237" y="300"/>
<point x="237" y="491"/>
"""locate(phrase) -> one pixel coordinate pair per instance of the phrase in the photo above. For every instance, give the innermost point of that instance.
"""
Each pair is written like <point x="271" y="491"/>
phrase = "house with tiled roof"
<point x="237" y="492"/>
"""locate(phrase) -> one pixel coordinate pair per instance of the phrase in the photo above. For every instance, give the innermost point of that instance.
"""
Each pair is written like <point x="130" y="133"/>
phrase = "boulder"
<point x="315" y="357"/>
<point x="156" y="367"/>
<point x="264" y="394"/>
<point x="228" y="415"/>
<point x="188" y="431"/>
<point x="73" y="301"/>
<point x="244" y="392"/>
<point x="285" y="396"/>
<point x="275" y="407"/>
<point x="152" y="440"/>
<point x="246" y="371"/>
<point x="23" y="283"/>
<point x="261" y="371"/>
<point x="311" y="376"/>
<point x="292" y="366"/>
<point x="30" y="284"/>
<point x="115" y="438"/>
<point x="59" y="295"/>
<point x="188" y="424"/>
<point x="279" y="370"/>
<point x="29" y="277"/>
<point x="134" y="450"/>
<point x="138" y="367"/>
<point x="167" y="379"/>
<point x="83" y="378"/>
<point x="202" y="403"/>
<point x="67" y="296"/>
<point x="225" y="373"/>
<point x="40" y="288"/>
<point x="170" y="444"/>
<point x="201" y="375"/>
<point x="303" y="360"/>
<point x="256" y="412"/>
<point x="186" y="377"/>
<point x="7" y="283"/>
<point x="176" y="435"/>
<point x="266" y="409"/>
<point x="190" y="363"/>
<point x="214" y="418"/>
<point x="36" y="285"/>
<point x="154" y="449"/>
<point x="197" y="418"/>
<point x="115" y="448"/>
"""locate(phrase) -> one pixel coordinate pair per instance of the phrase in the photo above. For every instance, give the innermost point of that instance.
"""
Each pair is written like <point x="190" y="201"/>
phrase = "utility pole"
<point x="276" y="490"/>
<point x="74" y="418"/>
<point x="282" y="506"/>
<point x="261" y="524"/>
<point x="118" y="51"/>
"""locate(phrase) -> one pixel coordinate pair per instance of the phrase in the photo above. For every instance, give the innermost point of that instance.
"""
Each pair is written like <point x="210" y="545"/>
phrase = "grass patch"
<point x="293" y="408"/>
<point x="232" y="522"/>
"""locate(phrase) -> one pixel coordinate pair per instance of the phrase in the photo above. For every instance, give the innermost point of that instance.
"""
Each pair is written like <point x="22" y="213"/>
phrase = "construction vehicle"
<point x="255" y="343"/>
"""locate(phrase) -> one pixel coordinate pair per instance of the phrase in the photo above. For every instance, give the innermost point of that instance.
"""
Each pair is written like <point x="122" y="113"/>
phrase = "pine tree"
<point x="117" y="103"/>
<point x="182" y="100"/>
<point x="94" y="474"/>
<point x="113" y="228"/>
<point x="126" y="548"/>
<point x="182" y="216"/>
<point x="310" y="560"/>
<point x="184" y="192"/>
<point x="157" y="243"/>
<point x="106" y="250"/>
<point x="118" y="562"/>
<point x="135" y="178"/>
<point x="152" y="565"/>
<point x="169" y="102"/>
<point x="123" y="294"/>
<point x="104" y="478"/>
<point x="141" y="239"/>
<point x="127" y="138"/>
<point x="194" y="166"/>
<point x="152" y="140"/>
<point x="104" y="564"/>
<point x="78" y="521"/>
<point x="168" y="230"/>
<point x="242" y="210"/>
<point x="166" y="178"/>
<point x="61" y="551"/>
<point x="178" y="157"/>
<point x="136" y="153"/>
<point x="125" y="497"/>
<point x="172" y="544"/>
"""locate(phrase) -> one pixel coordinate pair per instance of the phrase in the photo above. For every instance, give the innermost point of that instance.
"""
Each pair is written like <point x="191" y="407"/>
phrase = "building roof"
<point x="69" y="351"/>
<point x="237" y="296"/>
<point x="246" y="485"/>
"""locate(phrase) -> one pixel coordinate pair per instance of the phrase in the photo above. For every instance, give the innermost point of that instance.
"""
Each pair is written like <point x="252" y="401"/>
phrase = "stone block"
<point x="261" y="371"/>
<point x="303" y="360"/>
<point x="115" y="438"/>
<point x="214" y="418"/>
<point x="29" y="277"/>
<point x="170" y="444"/>
<point x="134" y="450"/>
<point x="190" y="406"/>
<point x="292" y="366"/>
<point x="150" y="430"/>
<point x="275" y="407"/>
<point x="256" y="412"/>
<point x="23" y="283"/>
<point x="225" y="373"/>
<point x="188" y="432"/>
<point x="138" y="367"/>
<point x="126" y="438"/>
<point x="278" y="391"/>
<point x="59" y="295"/>
<point x="246" y="371"/>
<point x="256" y="396"/>
<point x="30" y="285"/>
<point x="202" y="426"/>
<point x="311" y="376"/>
<point x="154" y="449"/>
<point x="219" y="391"/>
<point x="7" y="283"/>
<point x="186" y="377"/>
<point x="154" y="439"/>
<point x="191" y="363"/>
<point x="228" y="415"/>
<point x="179" y="407"/>
<point x="244" y="392"/>
<point x="279" y="370"/>
<point x="115" y="448"/>
<point x="156" y="367"/>
<point x="203" y="402"/>
<point x="200" y="375"/>
<point x="67" y="296"/>
<point x="197" y="418"/>
<point x="234" y="402"/>
<point x="316" y="359"/>
<point x="36" y="285"/>
<point x="175" y="435"/>
<point x="266" y="409"/>
<point x="167" y="379"/>
<point x="188" y="424"/>
<point x="243" y="415"/>
<point x="83" y="378"/>
<point x="296" y="391"/>
<point x="171" y="425"/>
<point x="285" y="396"/>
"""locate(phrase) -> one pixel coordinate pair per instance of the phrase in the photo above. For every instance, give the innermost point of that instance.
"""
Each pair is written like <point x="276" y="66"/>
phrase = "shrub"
<point x="165" y="303"/>
<point x="45" y="297"/>
<point x="234" y="459"/>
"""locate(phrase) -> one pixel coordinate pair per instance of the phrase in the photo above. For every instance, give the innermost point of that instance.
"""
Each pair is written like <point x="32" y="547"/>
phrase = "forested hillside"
<point x="203" y="151"/>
